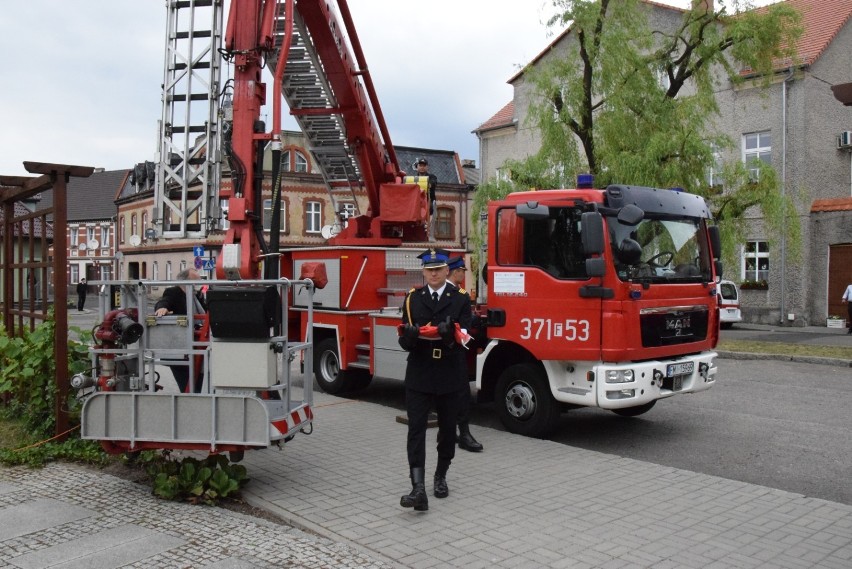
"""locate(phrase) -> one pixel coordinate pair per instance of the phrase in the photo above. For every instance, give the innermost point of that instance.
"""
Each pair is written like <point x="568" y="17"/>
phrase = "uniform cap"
<point x="434" y="258"/>
<point x="456" y="263"/>
<point x="423" y="161"/>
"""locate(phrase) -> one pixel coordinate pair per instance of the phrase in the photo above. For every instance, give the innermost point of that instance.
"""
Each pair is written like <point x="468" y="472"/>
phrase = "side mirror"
<point x="715" y="241"/>
<point x="596" y="267"/>
<point x="718" y="265"/>
<point x="592" y="233"/>
<point x="532" y="211"/>
<point x="629" y="251"/>
<point x="630" y="215"/>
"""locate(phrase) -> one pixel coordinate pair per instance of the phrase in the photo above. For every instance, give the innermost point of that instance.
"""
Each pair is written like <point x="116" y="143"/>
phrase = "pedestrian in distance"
<point x="847" y="300"/>
<point x="173" y="301"/>
<point x="434" y="317"/>
<point x="466" y="441"/>
<point x="82" y="289"/>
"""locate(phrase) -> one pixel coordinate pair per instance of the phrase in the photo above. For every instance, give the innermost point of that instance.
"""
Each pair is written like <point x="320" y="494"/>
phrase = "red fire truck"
<point x="591" y="298"/>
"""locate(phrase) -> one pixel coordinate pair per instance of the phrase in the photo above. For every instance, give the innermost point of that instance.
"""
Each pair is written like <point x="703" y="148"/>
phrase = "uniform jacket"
<point x="174" y="300"/>
<point x="444" y="370"/>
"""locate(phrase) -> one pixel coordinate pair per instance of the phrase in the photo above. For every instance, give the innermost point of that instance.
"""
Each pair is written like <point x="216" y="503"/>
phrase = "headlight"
<point x="619" y="376"/>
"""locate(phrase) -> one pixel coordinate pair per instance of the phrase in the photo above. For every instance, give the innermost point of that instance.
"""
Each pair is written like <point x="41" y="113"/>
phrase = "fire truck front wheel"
<point x="524" y="403"/>
<point x="328" y="374"/>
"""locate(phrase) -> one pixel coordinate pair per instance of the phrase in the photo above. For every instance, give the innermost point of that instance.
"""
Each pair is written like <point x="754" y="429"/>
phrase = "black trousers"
<point x="464" y="406"/>
<point x="849" y="312"/>
<point x="81" y="301"/>
<point x="418" y="405"/>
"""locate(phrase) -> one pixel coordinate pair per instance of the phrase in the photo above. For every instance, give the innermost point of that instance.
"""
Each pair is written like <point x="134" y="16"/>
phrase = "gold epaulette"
<point x="463" y="291"/>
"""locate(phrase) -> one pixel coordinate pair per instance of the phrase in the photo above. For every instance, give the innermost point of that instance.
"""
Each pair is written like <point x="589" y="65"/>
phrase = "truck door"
<point x="538" y="279"/>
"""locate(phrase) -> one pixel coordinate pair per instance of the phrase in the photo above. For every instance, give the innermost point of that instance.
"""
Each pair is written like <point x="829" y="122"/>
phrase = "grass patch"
<point x="752" y="347"/>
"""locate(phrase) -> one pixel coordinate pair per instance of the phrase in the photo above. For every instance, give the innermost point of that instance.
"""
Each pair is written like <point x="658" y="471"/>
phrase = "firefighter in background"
<point x="436" y="373"/>
<point x="173" y="301"/>
<point x="423" y="170"/>
<point x="466" y="440"/>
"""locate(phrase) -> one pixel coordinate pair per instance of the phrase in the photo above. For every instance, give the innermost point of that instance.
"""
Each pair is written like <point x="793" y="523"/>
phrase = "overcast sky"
<point x="81" y="80"/>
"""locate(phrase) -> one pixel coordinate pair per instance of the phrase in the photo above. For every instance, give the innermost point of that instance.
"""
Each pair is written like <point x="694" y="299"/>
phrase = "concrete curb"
<point x="780" y="357"/>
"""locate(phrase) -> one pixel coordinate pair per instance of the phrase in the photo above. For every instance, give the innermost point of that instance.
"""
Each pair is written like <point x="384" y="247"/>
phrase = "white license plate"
<point x="674" y="370"/>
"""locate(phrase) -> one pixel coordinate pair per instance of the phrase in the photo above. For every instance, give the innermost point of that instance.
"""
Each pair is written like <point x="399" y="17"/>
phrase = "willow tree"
<point x="634" y="104"/>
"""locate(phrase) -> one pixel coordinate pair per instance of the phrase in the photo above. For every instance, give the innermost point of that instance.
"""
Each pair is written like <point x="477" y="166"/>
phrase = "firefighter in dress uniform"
<point x="465" y="438"/>
<point x="436" y="373"/>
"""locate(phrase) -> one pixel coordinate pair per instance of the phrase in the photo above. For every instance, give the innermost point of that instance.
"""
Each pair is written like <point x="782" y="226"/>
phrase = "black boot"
<point x="440" y="487"/>
<point x="417" y="499"/>
<point x="466" y="440"/>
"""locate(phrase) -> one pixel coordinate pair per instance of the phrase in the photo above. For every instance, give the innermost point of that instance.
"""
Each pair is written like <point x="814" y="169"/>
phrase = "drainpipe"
<point x="789" y="77"/>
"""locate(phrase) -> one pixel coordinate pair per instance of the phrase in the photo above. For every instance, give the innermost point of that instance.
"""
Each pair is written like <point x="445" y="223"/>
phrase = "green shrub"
<point x="28" y="394"/>
<point x="205" y="481"/>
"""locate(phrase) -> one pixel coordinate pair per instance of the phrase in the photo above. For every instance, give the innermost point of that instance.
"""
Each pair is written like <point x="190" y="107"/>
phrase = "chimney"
<point x="708" y="6"/>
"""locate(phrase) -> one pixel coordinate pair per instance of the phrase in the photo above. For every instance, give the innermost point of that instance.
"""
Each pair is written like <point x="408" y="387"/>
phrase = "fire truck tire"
<point x="524" y="403"/>
<point x="634" y="411"/>
<point x="328" y="374"/>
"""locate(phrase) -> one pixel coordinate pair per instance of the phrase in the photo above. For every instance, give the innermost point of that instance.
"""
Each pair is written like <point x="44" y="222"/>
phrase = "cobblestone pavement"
<point x="66" y="516"/>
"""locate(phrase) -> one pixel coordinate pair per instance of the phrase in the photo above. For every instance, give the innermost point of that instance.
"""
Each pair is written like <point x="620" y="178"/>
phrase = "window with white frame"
<point x="267" y="215"/>
<point x="75" y="273"/>
<point x="224" y="224"/>
<point x="155" y="270"/>
<point x="168" y="270"/>
<point x="301" y="162"/>
<point x="91" y="234"/>
<point x="313" y="217"/>
<point x="347" y="211"/>
<point x="757" y="146"/>
<point x="74" y="235"/>
<point x="105" y="236"/>
<point x="714" y="171"/>
<point x="106" y="272"/>
<point x="121" y="230"/>
<point x="755" y="265"/>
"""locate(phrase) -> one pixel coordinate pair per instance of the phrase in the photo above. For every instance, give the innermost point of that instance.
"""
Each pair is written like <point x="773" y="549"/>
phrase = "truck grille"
<point x="671" y="325"/>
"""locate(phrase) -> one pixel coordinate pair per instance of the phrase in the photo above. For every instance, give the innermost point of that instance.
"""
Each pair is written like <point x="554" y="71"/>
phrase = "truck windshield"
<point x="673" y="250"/>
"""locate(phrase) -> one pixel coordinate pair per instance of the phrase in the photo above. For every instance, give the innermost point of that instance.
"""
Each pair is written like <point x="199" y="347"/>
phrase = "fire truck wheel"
<point x="328" y="374"/>
<point x="524" y="403"/>
<point x="634" y="411"/>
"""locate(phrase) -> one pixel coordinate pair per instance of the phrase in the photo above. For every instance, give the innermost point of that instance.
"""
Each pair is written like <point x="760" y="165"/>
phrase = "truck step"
<point x="359" y="365"/>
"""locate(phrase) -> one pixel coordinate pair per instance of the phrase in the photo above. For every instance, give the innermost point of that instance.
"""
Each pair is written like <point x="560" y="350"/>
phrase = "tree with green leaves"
<point x="634" y="103"/>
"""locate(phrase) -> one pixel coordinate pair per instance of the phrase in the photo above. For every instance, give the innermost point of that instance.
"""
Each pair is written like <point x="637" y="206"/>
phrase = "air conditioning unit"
<point x="844" y="140"/>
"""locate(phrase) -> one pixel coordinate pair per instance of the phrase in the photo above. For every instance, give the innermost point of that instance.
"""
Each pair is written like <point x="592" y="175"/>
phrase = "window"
<point x="168" y="270"/>
<point x="552" y="244"/>
<point x="714" y="171"/>
<point x="301" y="162"/>
<point x="224" y="224"/>
<point x="105" y="236"/>
<point x="106" y="272"/>
<point x="267" y="215"/>
<point x="347" y="211"/>
<point x="444" y="223"/>
<point x="313" y="217"/>
<point x="293" y="161"/>
<point x="90" y="234"/>
<point x="144" y="223"/>
<point x="183" y="265"/>
<point x="75" y="237"/>
<point x="121" y="230"/>
<point x="155" y="271"/>
<point x="75" y="274"/>
<point x="757" y="146"/>
<point x="755" y="265"/>
<point x="134" y="226"/>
